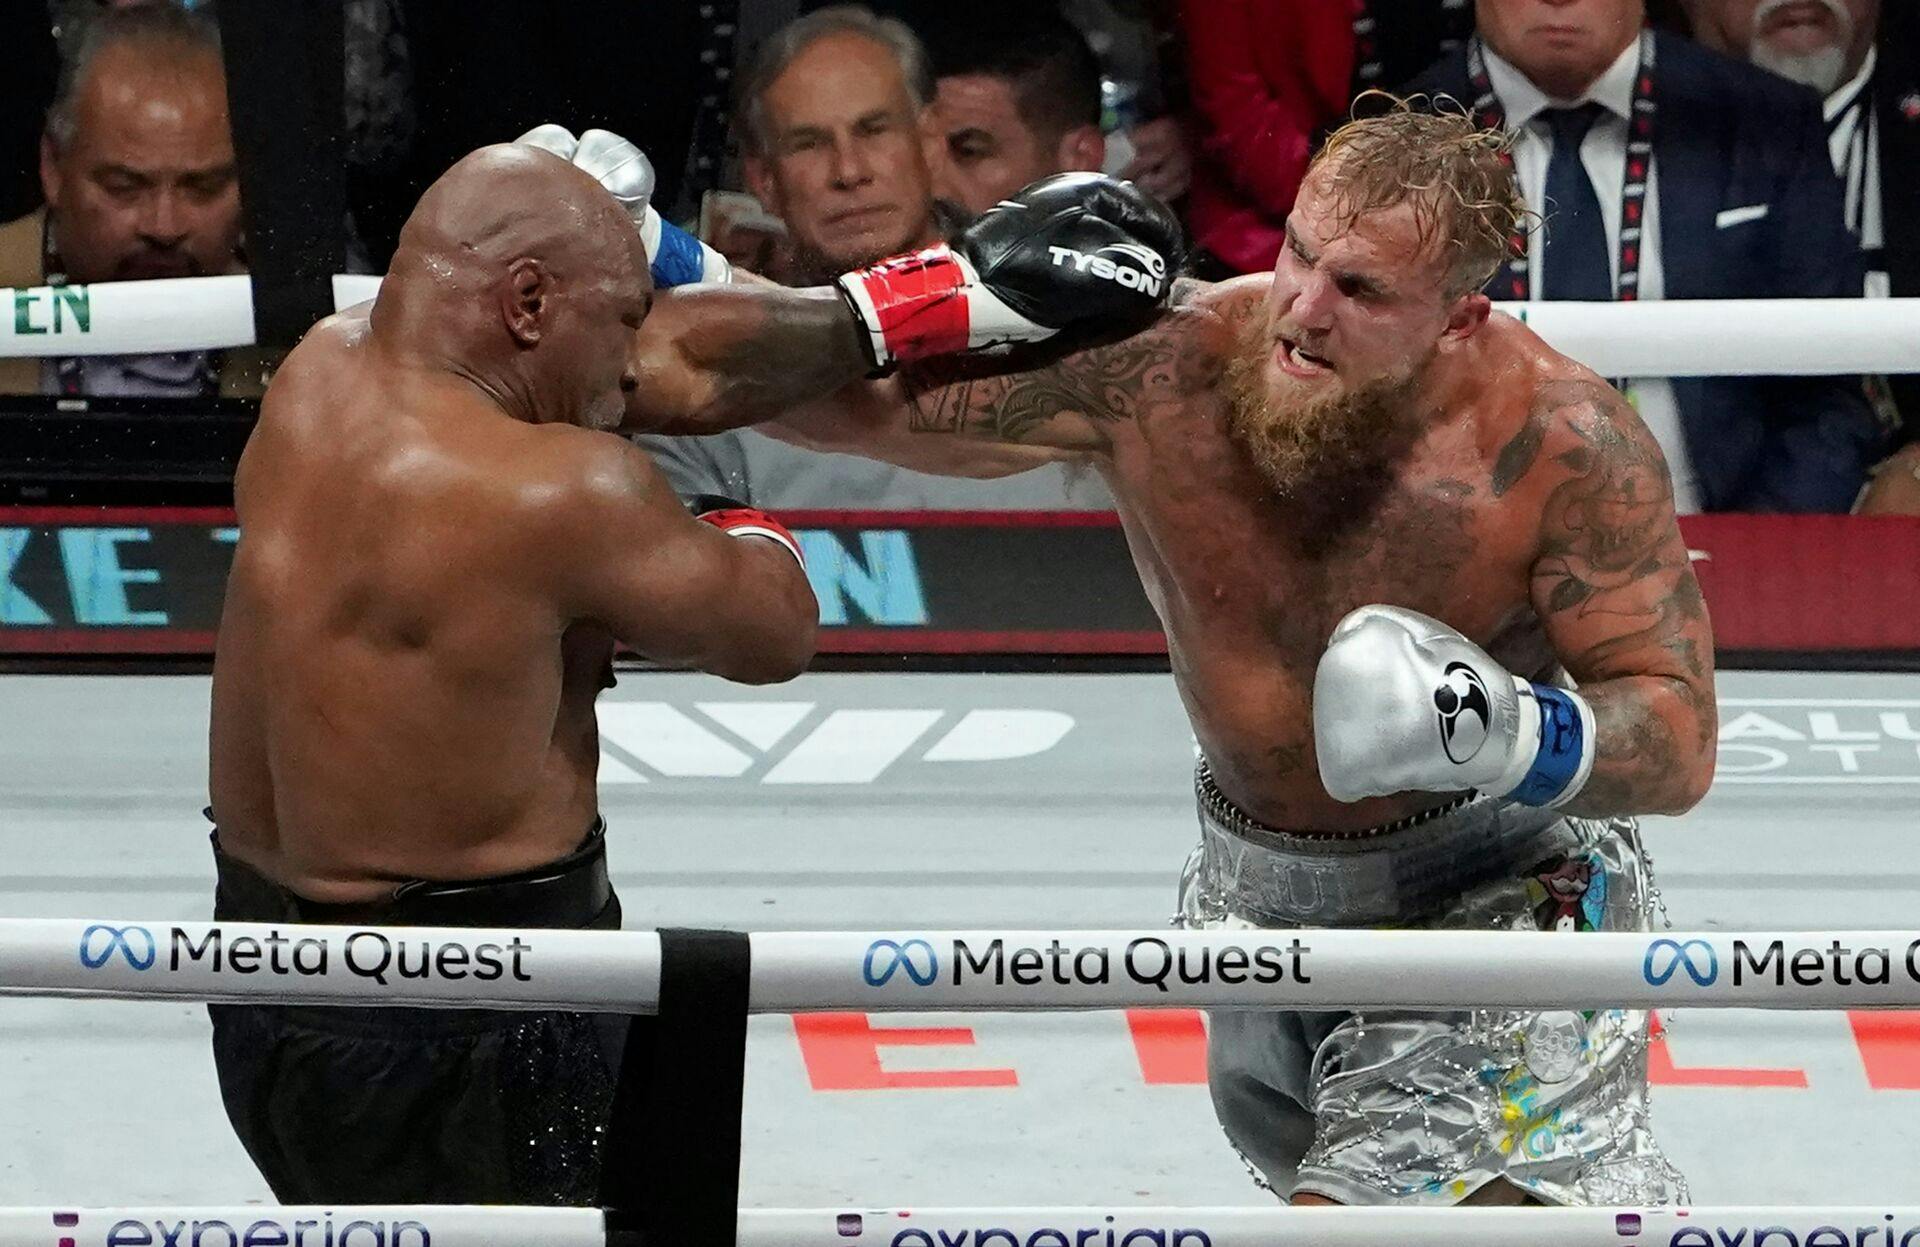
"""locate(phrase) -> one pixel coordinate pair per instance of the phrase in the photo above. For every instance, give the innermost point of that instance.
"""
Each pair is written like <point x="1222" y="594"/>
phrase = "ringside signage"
<point x="366" y="1226"/>
<point x="903" y="971"/>
<point x="1245" y="1227"/>
<point x="456" y="967"/>
<point x="814" y="971"/>
<point x="145" y="580"/>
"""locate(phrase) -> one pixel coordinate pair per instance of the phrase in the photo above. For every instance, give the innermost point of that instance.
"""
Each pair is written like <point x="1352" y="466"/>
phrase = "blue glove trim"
<point x="1563" y="747"/>
<point x="678" y="260"/>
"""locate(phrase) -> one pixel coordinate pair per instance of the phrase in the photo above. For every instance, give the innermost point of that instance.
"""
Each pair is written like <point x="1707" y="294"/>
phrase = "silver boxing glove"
<point x="675" y="256"/>
<point x="1402" y="702"/>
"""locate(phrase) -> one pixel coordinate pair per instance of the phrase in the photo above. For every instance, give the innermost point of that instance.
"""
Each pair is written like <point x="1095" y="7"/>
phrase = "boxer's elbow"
<point x="1693" y="782"/>
<point x="1692" y="722"/>
<point x="778" y="632"/>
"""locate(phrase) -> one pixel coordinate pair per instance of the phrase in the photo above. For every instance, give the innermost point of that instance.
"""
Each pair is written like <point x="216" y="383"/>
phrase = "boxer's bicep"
<point x="1617" y="596"/>
<point x="678" y="591"/>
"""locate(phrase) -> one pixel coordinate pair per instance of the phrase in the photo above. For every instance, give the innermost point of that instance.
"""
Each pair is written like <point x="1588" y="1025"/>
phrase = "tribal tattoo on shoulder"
<point x="1612" y="579"/>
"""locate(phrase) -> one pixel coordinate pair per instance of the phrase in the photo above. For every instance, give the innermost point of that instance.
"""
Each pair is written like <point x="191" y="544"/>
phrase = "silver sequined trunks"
<point x="1426" y="1108"/>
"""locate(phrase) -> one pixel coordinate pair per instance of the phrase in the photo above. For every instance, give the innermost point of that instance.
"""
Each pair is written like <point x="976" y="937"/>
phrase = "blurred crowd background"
<point x="1677" y="149"/>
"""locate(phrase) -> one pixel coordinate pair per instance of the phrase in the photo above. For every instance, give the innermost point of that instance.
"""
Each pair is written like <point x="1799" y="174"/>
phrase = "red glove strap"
<point x="918" y="301"/>
<point x="747" y="522"/>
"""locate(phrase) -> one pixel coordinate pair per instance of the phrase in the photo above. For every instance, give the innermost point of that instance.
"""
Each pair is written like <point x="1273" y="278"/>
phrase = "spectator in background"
<point x="1268" y="79"/>
<point x="837" y="141"/>
<point x="1015" y="103"/>
<point x="1866" y="66"/>
<point x="840" y="144"/>
<point x="1721" y="189"/>
<point x="137" y="168"/>
<point x="1131" y="40"/>
<point x="1137" y="43"/>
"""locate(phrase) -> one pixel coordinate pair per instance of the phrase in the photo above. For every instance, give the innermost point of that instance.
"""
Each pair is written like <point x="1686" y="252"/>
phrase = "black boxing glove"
<point x="737" y="519"/>
<point x="1072" y="250"/>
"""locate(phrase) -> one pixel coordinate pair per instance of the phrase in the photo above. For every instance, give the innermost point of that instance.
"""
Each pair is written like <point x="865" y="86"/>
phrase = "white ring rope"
<point x="797" y="972"/>
<point x="1661" y="338"/>
<point x="1098" y="1226"/>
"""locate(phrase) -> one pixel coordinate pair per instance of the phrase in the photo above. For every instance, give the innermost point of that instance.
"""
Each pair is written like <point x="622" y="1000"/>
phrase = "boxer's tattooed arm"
<point x="1613" y="586"/>
<point x="718" y="357"/>
<point x="1067" y="405"/>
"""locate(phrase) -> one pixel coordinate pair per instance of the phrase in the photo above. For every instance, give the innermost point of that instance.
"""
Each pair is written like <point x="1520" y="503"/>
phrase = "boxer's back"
<point x="392" y="696"/>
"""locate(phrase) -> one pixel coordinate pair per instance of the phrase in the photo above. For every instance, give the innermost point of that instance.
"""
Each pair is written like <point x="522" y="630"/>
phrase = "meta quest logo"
<point x="1775" y="963"/>
<point x="366" y="955"/>
<point x="1146" y="962"/>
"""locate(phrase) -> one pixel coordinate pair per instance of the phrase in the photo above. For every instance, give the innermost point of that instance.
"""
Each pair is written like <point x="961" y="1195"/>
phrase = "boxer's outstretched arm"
<point x="714" y="358"/>
<point x="1615" y="590"/>
<point x="630" y="557"/>
<point x="710" y="358"/>
<point x="995" y="415"/>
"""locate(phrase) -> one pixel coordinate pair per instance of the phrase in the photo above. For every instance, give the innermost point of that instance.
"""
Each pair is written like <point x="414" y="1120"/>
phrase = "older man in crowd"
<point x="1666" y="171"/>
<point x="137" y="169"/>
<point x="1862" y="60"/>
<point x="843" y="146"/>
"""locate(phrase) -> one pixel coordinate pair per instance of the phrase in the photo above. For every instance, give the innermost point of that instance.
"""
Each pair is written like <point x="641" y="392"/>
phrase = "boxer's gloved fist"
<point x="1403" y="702"/>
<point x="737" y="519"/>
<point x="675" y="256"/>
<point x="1075" y="249"/>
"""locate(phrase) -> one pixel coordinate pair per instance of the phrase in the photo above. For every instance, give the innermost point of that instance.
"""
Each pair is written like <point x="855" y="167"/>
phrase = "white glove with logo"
<point x="675" y="256"/>
<point x="1402" y="702"/>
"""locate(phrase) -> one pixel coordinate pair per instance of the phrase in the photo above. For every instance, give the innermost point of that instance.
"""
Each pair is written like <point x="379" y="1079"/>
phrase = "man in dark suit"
<point x="1862" y="56"/>
<point x="1668" y="171"/>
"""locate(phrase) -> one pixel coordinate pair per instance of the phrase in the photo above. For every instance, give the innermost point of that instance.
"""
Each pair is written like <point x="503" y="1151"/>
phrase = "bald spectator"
<point x="840" y="145"/>
<point x="137" y="169"/>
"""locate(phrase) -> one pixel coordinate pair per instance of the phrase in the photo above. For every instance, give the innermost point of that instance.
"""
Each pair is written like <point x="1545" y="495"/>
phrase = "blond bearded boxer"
<point x="1388" y="534"/>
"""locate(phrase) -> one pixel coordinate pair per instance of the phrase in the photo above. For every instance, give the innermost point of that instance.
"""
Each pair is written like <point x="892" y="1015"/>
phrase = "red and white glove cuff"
<point x="748" y="522"/>
<point x="930" y="303"/>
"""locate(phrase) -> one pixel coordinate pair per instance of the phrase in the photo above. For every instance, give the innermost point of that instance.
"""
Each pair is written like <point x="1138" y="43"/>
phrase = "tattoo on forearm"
<point x="977" y="397"/>
<point x="1636" y="765"/>
<point x="1613" y="575"/>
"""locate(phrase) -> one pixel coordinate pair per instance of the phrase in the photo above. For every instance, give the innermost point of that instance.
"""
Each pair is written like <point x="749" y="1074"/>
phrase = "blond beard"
<point x="1313" y="438"/>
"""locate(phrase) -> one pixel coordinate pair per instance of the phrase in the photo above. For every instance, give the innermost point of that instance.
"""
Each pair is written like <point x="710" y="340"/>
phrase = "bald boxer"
<point x="440" y="547"/>
<point x="1426" y="602"/>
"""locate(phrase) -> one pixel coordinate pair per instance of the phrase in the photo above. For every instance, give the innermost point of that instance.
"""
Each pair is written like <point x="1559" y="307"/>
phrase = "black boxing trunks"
<point x="426" y="1106"/>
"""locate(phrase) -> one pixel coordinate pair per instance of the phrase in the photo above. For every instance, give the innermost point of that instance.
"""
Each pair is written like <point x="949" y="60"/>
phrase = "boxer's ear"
<point x="525" y="300"/>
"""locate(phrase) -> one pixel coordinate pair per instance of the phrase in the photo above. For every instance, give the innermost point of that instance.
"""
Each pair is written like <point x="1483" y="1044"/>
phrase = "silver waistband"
<point x="1389" y="874"/>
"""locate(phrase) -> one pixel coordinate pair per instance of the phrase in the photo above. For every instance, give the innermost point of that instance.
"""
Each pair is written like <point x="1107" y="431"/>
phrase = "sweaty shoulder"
<point x="1570" y="437"/>
<point x="1207" y="323"/>
<point x="581" y="471"/>
<point x="327" y="343"/>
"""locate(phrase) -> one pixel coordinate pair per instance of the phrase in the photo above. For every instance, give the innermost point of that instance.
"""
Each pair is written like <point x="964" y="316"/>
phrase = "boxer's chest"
<point x="1251" y="571"/>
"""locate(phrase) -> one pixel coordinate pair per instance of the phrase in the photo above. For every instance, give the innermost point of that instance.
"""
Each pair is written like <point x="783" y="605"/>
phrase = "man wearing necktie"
<point x="1664" y="171"/>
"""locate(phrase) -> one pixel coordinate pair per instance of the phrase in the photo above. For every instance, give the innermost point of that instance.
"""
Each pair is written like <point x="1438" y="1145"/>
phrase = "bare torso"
<point x="395" y="694"/>
<point x="1250" y="587"/>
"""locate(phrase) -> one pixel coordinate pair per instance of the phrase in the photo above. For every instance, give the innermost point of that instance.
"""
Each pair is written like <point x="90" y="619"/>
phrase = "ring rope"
<point x="798" y="972"/>
<point x="1659" y="338"/>
<point x="1095" y="1226"/>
